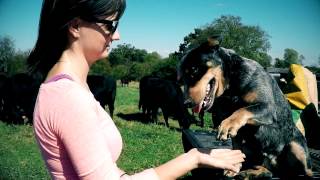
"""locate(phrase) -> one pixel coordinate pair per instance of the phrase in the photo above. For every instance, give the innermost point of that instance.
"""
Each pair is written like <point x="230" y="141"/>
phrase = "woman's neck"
<point x="73" y="64"/>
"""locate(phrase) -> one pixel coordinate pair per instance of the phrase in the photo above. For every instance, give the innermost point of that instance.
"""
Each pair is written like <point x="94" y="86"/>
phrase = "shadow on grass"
<point x="140" y="117"/>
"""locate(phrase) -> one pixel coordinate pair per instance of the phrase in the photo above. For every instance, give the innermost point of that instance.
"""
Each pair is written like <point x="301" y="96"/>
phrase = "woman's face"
<point x="96" y="38"/>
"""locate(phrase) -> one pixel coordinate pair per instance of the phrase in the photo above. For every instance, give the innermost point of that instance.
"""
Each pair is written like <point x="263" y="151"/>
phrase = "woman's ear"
<point x="74" y="27"/>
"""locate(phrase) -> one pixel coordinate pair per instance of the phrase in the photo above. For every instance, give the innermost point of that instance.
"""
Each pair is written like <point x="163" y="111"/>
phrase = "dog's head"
<point x="200" y="70"/>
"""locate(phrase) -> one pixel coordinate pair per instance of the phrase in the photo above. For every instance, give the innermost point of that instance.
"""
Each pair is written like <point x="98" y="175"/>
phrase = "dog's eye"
<point x="194" y="70"/>
<point x="191" y="75"/>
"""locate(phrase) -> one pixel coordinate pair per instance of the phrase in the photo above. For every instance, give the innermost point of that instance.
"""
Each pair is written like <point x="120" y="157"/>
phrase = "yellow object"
<point x="297" y="90"/>
<point x="300" y="91"/>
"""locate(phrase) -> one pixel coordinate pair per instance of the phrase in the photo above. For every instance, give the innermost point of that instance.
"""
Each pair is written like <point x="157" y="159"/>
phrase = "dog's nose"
<point x="189" y="103"/>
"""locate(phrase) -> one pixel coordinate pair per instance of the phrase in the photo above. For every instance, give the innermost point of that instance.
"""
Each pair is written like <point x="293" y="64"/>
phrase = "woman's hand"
<point x="220" y="158"/>
<point x="227" y="159"/>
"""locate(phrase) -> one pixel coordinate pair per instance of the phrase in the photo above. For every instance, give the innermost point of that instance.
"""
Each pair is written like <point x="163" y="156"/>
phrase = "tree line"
<point x="127" y="61"/>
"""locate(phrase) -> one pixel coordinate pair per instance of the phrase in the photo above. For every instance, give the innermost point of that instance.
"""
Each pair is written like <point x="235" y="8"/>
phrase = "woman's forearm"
<point x="179" y="166"/>
<point x="215" y="158"/>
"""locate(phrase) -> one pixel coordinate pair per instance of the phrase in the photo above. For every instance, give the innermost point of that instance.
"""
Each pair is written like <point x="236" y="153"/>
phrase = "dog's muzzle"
<point x="189" y="103"/>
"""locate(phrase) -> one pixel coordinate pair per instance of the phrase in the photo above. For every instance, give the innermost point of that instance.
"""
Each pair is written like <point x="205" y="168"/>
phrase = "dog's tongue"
<point x="197" y="108"/>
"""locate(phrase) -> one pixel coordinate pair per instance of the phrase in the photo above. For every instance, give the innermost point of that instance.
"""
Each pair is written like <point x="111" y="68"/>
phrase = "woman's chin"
<point x="105" y="53"/>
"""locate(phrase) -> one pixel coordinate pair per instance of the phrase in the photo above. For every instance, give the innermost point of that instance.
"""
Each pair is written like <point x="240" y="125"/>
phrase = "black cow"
<point x="3" y="81"/>
<point x="19" y="97"/>
<point x="104" y="90"/>
<point x="125" y="81"/>
<point x="201" y="118"/>
<point x="158" y="93"/>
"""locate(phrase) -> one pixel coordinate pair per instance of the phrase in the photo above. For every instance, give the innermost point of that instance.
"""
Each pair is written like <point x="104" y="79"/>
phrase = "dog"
<point x="257" y="115"/>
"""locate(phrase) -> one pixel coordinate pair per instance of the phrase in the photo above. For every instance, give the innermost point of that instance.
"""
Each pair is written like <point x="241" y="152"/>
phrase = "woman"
<point x="77" y="138"/>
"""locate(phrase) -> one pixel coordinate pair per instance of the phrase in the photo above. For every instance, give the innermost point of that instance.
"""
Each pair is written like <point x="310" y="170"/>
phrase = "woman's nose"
<point x="116" y="35"/>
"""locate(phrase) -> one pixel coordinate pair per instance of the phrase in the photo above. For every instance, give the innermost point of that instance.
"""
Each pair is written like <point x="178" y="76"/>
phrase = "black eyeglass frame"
<point x="110" y="25"/>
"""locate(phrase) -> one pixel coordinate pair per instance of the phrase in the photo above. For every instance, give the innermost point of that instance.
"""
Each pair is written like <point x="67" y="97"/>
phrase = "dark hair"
<point x="53" y="27"/>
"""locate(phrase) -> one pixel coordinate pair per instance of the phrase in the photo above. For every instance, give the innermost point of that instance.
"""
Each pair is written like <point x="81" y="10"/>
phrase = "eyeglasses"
<point x="110" y="26"/>
<point x="107" y="25"/>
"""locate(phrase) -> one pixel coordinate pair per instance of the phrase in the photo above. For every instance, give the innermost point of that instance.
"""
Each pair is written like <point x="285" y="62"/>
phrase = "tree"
<point x="167" y="68"/>
<point x="138" y="70"/>
<point x="7" y="51"/>
<point x="301" y="59"/>
<point x="126" y="54"/>
<point x="102" y="67"/>
<point x="152" y="57"/>
<point x="128" y="61"/>
<point x="119" y="71"/>
<point x="291" y="56"/>
<point x="264" y="59"/>
<point x="18" y="63"/>
<point x="190" y="41"/>
<point x="280" y="63"/>
<point x="248" y="41"/>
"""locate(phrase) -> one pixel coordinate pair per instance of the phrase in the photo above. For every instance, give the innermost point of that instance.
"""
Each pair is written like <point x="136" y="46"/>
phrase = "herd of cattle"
<point x="18" y="95"/>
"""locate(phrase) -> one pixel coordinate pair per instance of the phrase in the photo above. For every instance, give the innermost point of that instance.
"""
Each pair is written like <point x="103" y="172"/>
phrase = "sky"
<point x="161" y="25"/>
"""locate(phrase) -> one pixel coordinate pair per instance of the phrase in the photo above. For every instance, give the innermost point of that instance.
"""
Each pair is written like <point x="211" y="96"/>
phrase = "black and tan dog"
<point x="258" y="115"/>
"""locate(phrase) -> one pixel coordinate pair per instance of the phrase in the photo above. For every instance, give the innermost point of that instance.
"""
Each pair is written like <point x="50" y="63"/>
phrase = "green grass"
<point x="144" y="145"/>
<point x="19" y="155"/>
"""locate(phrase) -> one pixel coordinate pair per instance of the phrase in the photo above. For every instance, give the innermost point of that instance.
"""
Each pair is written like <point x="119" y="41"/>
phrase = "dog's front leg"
<point x="233" y="123"/>
<point x="255" y="115"/>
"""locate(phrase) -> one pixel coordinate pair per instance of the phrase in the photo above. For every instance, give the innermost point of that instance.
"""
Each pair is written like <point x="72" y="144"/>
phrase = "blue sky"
<point x="161" y="25"/>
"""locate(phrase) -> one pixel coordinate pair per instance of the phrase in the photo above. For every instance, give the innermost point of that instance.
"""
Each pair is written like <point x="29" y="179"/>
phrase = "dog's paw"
<point x="259" y="172"/>
<point x="227" y="129"/>
<point x="230" y="174"/>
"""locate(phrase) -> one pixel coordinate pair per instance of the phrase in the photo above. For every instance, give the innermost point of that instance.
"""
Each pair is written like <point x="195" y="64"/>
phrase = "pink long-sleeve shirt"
<point x="77" y="138"/>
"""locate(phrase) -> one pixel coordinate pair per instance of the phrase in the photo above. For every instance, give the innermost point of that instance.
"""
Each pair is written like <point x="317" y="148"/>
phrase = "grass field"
<point x="145" y="144"/>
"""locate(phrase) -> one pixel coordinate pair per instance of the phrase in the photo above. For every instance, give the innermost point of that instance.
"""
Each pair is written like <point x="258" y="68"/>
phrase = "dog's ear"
<point x="214" y="42"/>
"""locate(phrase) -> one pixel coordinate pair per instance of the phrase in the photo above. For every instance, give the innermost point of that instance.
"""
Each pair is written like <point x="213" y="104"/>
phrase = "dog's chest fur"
<point x="245" y="76"/>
